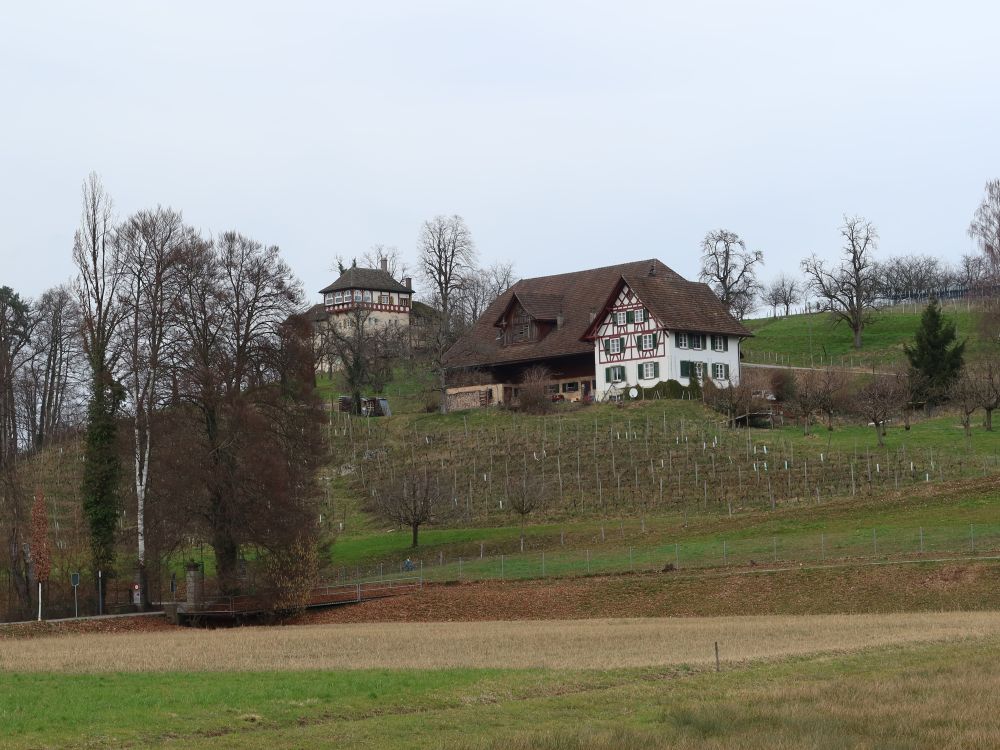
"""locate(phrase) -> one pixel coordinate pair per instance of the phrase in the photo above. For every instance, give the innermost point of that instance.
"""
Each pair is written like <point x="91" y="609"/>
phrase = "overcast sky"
<point x="567" y="134"/>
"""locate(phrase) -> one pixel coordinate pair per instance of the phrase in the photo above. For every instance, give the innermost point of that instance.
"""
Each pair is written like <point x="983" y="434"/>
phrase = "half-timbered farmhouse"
<point x="598" y="333"/>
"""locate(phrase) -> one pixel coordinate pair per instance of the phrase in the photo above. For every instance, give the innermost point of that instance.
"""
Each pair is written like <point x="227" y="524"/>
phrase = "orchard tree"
<point x="730" y="269"/>
<point x="848" y="289"/>
<point x="411" y="498"/>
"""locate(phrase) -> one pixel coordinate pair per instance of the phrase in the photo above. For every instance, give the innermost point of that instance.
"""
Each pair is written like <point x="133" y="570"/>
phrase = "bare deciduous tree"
<point x="783" y="291"/>
<point x="878" y="399"/>
<point x="363" y="349"/>
<point x="848" y="290"/>
<point x="730" y="269"/>
<point x="985" y="225"/>
<point x="150" y="247"/>
<point x="411" y="498"/>
<point x="99" y="282"/>
<point x="446" y="252"/>
<point x="966" y="393"/>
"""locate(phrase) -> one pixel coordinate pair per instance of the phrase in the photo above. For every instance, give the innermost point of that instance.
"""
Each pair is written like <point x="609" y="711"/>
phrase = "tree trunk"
<point x="857" y="337"/>
<point x="416" y="528"/>
<point x="878" y="431"/>
<point x="226" y="558"/>
<point x="988" y="422"/>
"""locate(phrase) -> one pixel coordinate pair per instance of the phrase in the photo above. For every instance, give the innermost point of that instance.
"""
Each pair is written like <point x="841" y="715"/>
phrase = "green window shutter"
<point x="725" y="345"/>
<point x="607" y="346"/>
<point x="630" y="316"/>
<point x="622" y="345"/>
<point x="712" y="341"/>
<point x="638" y="342"/>
<point x="607" y="374"/>
<point x="656" y="339"/>
<point x="726" y="371"/>
<point x="685" y="369"/>
<point x="656" y="369"/>
<point x="645" y="315"/>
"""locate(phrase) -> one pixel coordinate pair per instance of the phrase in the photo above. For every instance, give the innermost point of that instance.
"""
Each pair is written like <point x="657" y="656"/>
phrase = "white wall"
<point x="666" y="353"/>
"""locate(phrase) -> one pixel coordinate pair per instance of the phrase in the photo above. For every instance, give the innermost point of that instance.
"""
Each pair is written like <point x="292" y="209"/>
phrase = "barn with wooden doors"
<point x="597" y="332"/>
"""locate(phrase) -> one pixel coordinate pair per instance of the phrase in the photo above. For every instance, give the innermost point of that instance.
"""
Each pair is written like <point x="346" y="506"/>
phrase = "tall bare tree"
<point x="150" y="246"/>
<point x="446" y="251"/>
<point x="731" y="270"/>
<point x="985" y="225"/>
<point x="235" y="299"/>
<point x="15" y="334"/>
<point x="99" y="283"/>
<point x="848" y="289"/>
<point x="53" y="362"/>
<point x="395" y="264"/>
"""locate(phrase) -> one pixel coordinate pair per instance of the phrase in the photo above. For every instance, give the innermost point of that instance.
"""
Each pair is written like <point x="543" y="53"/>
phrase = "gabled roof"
<point x="579" y="294"/>
<point x="583" y="298"/>
<point x="538" y="305"/>
<point x="366" y="278"/>
<point x="677" y="304"/>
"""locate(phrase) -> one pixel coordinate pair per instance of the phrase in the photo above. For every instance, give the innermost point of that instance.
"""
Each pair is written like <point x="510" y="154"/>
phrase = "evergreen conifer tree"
<point x="936" y="357"/>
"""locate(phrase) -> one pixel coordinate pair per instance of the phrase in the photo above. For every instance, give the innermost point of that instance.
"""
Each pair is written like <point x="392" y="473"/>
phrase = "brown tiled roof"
<point x="366" y="278"/>
<point x="581" y="294"/>
<point x="538" y="305"/>
<point x="682" y="305"/>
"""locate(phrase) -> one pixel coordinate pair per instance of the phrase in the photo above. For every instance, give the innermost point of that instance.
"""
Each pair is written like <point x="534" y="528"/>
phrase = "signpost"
<point x="74" y="579"/>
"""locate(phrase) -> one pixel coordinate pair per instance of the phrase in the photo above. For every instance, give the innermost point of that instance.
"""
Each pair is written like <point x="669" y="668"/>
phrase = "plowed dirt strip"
<point x="895" y="588"/>
<point x="573" y="644"/>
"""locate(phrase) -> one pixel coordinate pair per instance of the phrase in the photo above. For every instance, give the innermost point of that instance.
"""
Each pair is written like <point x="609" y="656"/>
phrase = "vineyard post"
<point x="921" y="540"/>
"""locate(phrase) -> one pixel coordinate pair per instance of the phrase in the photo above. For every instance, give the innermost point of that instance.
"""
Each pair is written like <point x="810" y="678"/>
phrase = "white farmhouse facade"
<point x="633" y="348"/>
<point x="594" y="333"/>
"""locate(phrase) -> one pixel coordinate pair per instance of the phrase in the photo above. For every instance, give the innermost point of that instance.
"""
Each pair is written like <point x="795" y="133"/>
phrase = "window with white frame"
<point x="697" y="341"/>
<point x="682" y="340"/>
<point x="615" y="346"/>
<point x="648" y="342"/>
<point x="615" y="374"/>
<point x="334" y="299"/>
<point x="640" y="315"/>
<point x="357" y="295"/>
<point x="699" y="369"/>
<point x="719" y="343"/>
<point x="647" y="370"/>
<point x="720" y="371"/>
<point x="621" y="318"/>
<point x="384" y="299"/>
<point x="368" y="296"/>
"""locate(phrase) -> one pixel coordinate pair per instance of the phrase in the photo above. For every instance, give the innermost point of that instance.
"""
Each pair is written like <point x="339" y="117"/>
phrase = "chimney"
<point x="406" y="282"/>
<point x="652" y="269"/>
<point x="593" y="314"/>
<point x="385" y="264"/>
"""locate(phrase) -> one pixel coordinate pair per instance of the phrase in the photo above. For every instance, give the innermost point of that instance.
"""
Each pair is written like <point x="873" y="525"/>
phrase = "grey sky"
<point x="568" y="134"/>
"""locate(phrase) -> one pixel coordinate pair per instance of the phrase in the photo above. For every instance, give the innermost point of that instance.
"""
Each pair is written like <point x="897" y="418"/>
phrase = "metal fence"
<point x="860" y="546"/>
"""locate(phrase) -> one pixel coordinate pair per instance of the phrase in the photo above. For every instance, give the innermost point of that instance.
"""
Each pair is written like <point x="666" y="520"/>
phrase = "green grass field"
<point x="931" y="695"/>
<point x="813" y="339"/>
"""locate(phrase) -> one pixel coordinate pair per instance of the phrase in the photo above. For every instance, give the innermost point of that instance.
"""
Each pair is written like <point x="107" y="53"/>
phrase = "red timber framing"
<point x="620" y="337"/>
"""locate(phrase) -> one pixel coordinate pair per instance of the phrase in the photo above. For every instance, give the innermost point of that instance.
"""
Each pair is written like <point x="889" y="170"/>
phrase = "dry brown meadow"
<point x="575" y="644"/>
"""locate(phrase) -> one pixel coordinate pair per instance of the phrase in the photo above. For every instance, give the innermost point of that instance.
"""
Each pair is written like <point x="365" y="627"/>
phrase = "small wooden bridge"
<point x="235" y="607"/>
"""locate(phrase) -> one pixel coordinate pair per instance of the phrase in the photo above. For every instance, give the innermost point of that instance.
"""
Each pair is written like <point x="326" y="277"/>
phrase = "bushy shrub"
<point x="290" y="574"/>
<point x="532" y="397"/>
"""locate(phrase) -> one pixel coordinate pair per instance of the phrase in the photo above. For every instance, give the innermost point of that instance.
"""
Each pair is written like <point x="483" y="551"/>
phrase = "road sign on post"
<point x="74" y="579"/>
